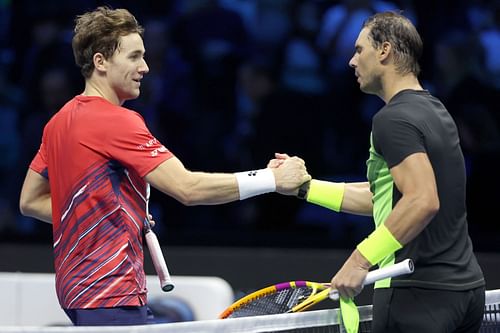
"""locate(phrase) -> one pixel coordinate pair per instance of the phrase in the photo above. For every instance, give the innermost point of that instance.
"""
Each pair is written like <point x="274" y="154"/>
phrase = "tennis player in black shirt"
<point x="415" y="192"/>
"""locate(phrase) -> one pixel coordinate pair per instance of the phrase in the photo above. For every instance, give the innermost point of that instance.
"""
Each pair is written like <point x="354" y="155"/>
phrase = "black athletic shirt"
<point x="414" y="121"/>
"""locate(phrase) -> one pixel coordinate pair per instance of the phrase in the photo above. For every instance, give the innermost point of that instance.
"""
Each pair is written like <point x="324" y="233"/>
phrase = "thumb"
<point x="281" y="156"/>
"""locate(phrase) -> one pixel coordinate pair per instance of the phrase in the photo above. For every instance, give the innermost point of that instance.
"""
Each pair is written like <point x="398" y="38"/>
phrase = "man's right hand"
<point x="289" y="172"/>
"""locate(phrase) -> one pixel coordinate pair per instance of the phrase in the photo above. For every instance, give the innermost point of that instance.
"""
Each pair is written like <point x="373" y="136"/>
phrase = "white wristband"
<point x="252" y="183"/>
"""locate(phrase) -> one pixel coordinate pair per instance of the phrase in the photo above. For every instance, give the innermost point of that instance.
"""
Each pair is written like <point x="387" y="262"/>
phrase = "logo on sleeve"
<point x="155" y="152"/>
<point x="149" y="143"/>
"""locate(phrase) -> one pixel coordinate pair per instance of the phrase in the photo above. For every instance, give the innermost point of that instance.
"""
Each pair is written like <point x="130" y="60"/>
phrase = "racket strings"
<point x="273" y="303"/>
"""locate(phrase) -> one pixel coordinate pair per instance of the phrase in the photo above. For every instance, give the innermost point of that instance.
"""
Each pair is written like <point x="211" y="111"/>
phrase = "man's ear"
<point x="384" y="51"/>
<point x="99" y="62"/>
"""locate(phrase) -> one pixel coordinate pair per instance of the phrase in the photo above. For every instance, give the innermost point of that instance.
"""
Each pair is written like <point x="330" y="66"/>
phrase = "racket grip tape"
<point x="404" y="267"/>
<point x="159" y="261"/>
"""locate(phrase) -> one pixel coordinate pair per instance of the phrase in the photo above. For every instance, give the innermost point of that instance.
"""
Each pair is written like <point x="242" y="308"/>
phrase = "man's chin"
<point x="133" y="96"/>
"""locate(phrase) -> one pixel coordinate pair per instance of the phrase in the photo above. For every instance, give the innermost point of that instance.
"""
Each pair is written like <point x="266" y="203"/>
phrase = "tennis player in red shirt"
<point x="90" y="175"/>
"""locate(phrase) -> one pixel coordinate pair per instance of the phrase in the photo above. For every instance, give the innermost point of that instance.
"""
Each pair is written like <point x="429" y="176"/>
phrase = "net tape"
<point x="319" y="321"/>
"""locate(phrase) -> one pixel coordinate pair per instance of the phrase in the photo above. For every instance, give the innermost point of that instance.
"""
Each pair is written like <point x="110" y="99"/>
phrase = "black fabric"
<point x="417" y="310"/>
<point x="414" y="121"/>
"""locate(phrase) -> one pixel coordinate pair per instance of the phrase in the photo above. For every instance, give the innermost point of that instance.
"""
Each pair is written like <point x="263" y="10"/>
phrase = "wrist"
<point x="255" y="182"/>
<point x="303" y="190"/>
<point x="361" y="260"/>
<point x="378" y="245"/>
<point x="326" y="194"/>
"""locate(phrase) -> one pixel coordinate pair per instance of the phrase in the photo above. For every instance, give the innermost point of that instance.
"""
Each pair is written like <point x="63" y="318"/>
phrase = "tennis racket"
<point x="155" y="250"/>
<point x="296" y="296"/>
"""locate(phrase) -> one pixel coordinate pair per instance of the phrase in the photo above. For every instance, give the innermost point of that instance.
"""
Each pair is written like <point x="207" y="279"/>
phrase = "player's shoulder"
<point x="95" y="113"/>
<point x="99" y="108"/>
<point x="126" y="117"/>
<point x="402" y="106"/>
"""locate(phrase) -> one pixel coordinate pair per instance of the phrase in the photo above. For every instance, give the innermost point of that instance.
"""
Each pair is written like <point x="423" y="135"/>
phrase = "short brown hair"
<point x="100" y="31"/>
<point x="401" y="34"/>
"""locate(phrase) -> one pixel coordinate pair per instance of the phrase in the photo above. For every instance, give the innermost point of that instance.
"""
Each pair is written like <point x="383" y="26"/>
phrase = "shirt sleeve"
<point x="39" y="162"/>
<point x="131" y="143"/>
<point x="396" y="136"/>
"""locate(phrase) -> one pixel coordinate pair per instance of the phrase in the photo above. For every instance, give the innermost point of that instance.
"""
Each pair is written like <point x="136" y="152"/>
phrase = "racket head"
<point x="274" y="299"/>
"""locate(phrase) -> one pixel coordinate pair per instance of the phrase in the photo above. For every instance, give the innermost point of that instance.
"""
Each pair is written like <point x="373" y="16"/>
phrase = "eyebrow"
<point x="137" y="52"/>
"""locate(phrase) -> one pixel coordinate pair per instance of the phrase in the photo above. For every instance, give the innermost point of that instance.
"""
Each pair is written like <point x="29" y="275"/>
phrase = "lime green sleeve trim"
<point x="378" y="245"/>
<point x="326" y="194"/>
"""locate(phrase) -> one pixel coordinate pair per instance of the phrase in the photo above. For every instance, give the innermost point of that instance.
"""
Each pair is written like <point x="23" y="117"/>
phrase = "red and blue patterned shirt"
<point x="95" y="155"/>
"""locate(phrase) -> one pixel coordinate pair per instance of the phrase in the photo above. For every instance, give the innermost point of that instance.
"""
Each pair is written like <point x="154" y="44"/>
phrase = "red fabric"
<point x="95" y="155"/>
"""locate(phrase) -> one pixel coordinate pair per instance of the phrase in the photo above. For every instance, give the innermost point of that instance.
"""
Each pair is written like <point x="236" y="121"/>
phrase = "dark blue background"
<point x="233" y="81"/>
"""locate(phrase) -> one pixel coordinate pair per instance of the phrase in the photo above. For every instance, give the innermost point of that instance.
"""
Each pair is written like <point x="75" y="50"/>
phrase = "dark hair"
<point x="397" y="30"/>
<point x="100" y="31"/>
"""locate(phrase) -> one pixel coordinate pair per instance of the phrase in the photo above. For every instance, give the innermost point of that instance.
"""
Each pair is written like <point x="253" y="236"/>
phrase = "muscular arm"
<point x="202" y="188"/>
<point x="193" y="188"/>
<point x="414" y="178"/>
<point x="35" y="198"/>
<point x="357" y="199"/>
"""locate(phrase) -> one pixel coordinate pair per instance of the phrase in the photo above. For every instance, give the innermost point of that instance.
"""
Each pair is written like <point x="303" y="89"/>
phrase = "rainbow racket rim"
<point x="275" y="299"/>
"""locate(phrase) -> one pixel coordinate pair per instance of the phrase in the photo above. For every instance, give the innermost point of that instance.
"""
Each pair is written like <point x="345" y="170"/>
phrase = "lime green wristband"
<point x="379" y="245"/>
<point x="326" y="194"/>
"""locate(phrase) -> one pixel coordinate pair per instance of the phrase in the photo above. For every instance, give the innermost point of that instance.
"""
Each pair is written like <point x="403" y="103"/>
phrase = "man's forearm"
<point x="357" y="199"/>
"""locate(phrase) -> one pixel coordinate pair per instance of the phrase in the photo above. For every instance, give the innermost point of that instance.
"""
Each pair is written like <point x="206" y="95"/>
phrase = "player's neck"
<point x="93" y="88"/>
<point x="393" y="84"/>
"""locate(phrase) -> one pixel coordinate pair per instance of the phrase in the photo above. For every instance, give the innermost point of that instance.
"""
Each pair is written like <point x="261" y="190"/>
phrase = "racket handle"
<point x="159" y="261"/>
<point x="404" y="267"/>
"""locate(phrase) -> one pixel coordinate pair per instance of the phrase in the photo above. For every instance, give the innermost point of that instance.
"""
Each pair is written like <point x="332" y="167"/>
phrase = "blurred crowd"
<point x="233" y="81"/>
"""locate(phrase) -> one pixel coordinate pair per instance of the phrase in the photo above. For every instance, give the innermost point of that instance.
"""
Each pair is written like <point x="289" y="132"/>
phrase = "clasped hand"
<point x="289" y="173"/>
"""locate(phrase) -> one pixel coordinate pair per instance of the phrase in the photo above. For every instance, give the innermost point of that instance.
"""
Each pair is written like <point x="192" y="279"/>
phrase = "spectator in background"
<point x="11" y="99"/>
<point x="10" y="146"/>
<point x="303" y="63"/>
<point x="460" y="78"/>
<point x="268" y="23"/>
<point x="44" y="104"/>
<point x="489" y="36"/>
<point x="213" y="40"/>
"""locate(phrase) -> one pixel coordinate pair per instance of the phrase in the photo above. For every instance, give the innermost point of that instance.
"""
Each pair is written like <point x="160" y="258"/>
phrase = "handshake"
<point x="289" y="173"/>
